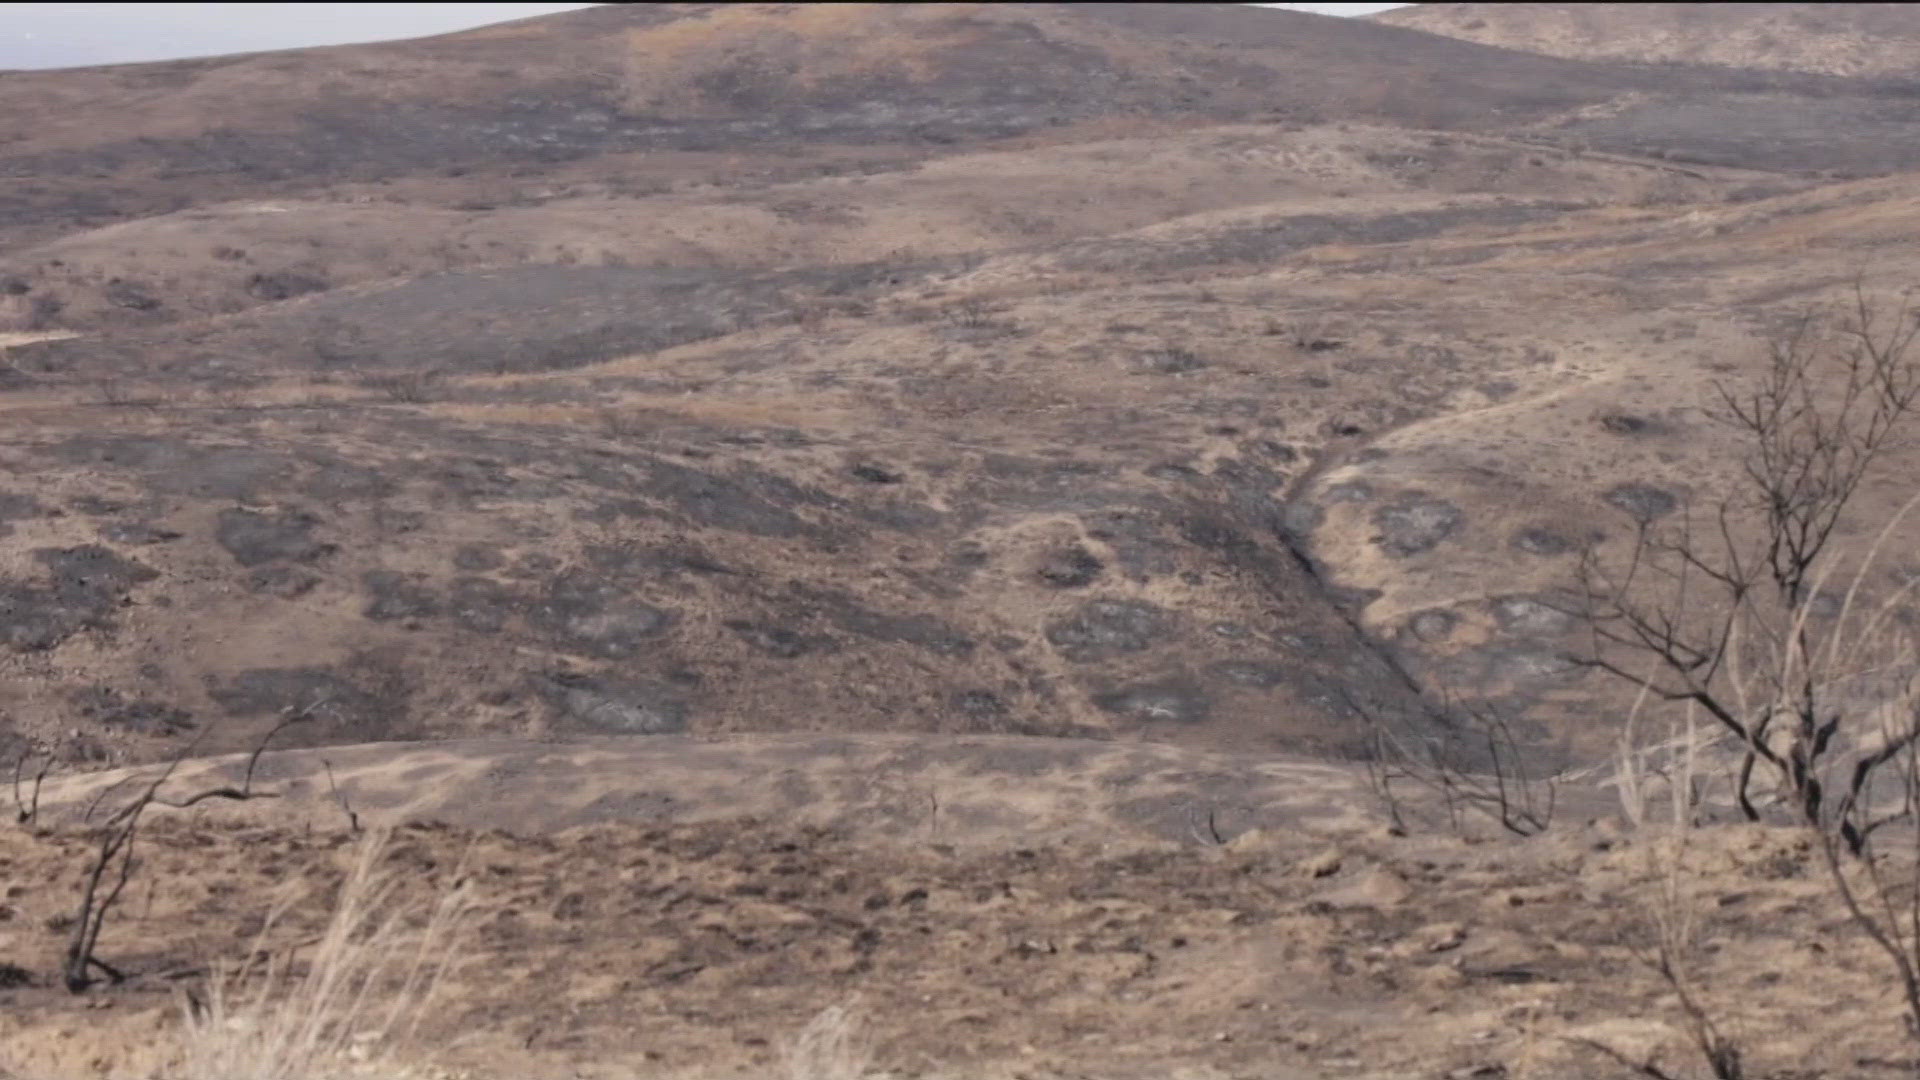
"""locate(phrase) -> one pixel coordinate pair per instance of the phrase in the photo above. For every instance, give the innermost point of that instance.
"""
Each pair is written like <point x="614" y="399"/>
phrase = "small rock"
<point x="1252" y="840"/>
<point x="1433" y="938"/>
<point x="1521" y="896"/>
<point x="1325" y="864"/>
<point x="1541" y="541"/>
<point x="1376" y="888"/>
<point x="1437" y="977"/>
<point x="1530" y="616"/>
<point x="1568" y="950"/>
<point x="1625" y="423"/>
<point x="1171" y="699"/>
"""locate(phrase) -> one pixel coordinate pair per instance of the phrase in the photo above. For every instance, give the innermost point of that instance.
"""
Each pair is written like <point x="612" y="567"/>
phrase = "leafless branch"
<point x="113" y="863"/>
<point x="353" y="819"/>
<point x="1506" y="792"/>
<point x="1759" y="623"/>
<point x="28" y="808"/>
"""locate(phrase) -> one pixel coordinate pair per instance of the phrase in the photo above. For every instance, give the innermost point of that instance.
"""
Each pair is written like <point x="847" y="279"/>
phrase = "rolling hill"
<point x="858" y="359"/>
<point x="1867" y="40"/>
<point x="878" y="480"/>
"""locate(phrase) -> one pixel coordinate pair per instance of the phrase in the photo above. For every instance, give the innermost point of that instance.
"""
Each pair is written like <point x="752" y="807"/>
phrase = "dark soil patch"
<point x="1642" y="502"/>
<point x="283" y="581"/>
<point x="174" y="465"/>
<point x="83" y="587"/>
<point x="777" y="641"/>
<point x="1414" y="523"/>
<point x="596" y="617"/>
<point x="922" y="631"/>
<point x="1069" y="568"/>
<point x="253" y="537"/>
<point x="1175" y="700"/>
<point x="1103" y="629"/>
<point x="337" y="705"/>
<point x="483" y="605"/>
<point x="1537" y="540"/>
<point x="393" y="595"/>
<point x="628" y="708"/>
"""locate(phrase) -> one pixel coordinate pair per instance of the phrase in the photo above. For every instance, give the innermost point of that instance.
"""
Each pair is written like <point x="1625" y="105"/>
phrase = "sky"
<point x="1338" y="9"/>
<point x="50" y="35"/>
<point x="46" y="35"/>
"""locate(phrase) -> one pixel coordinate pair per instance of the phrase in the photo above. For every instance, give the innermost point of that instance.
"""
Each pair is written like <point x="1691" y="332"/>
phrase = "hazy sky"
<point x="1339" y="9"/>
<point x="46" y="35"/>
<point x="74" y="34"/>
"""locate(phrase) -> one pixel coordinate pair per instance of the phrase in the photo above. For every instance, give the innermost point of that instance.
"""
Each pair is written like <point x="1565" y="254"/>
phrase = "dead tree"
<point x="1471" y="759"/>
<point x="113" y="864"/>
<point x="114" y="848"/>
<point x="1745" y="611"/>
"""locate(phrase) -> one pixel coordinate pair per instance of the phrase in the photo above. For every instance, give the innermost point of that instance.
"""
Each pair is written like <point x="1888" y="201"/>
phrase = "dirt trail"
<point x="977" y="791"/>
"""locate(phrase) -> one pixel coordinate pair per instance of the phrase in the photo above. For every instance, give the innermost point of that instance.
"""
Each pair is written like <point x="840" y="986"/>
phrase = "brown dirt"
<point x="698" y="948"/>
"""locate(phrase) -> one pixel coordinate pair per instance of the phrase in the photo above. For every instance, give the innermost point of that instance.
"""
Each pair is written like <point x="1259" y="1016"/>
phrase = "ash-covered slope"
<point x="1871" y="40"/>
<point x="94" y="145"/>
<point x="852" y="368"/>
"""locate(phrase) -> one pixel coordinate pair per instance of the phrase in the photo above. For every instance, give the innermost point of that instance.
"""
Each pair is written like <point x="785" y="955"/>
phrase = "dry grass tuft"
<point x="364" y="988"/>
<point x="831" y="1047"/>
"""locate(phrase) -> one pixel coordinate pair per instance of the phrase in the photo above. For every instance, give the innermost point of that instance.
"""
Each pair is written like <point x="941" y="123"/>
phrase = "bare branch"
<point x="28" y="809"/>
<point x="1738" y="621"/>
<point x="353" y="819"/>
<point x="113" y="863"/>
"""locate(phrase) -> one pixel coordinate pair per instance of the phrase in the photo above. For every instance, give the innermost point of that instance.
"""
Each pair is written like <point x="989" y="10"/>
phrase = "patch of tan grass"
<point x="831" y="1047"/>
<point x="358" y="998"/>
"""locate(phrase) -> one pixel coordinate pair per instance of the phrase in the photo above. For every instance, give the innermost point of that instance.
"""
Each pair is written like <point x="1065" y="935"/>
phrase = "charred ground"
<point x="940" y="369"/>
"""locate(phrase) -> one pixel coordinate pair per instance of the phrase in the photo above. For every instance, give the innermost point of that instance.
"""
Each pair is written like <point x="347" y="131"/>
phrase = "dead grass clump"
<point x="971" y="314"/>
<point x="831" y="1047"/>
<point x="360" y="994"/>
<point x="1659" y="788"/>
